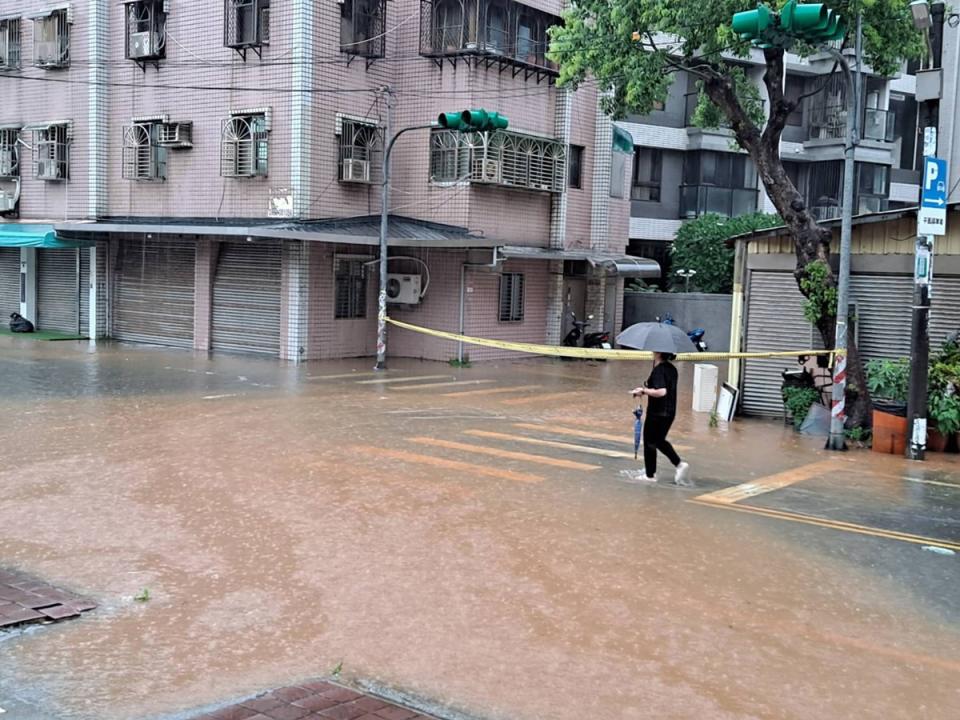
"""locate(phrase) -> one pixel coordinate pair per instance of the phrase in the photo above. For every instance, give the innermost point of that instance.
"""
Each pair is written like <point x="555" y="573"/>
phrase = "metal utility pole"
<point x="923" y="273"/>
<point x="838" y="439"/>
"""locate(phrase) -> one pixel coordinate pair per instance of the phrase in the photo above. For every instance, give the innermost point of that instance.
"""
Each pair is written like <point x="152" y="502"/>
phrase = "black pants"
<point x="655" y="431"/>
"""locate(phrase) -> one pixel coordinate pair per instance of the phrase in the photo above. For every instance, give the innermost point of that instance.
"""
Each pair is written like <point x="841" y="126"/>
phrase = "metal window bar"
<point x="146" y="30"/>
<point x="363" y="28"/>
<point x="359" y="152"/>
<point x="244" y="147"/>
<point x="143" y="158"/>
<point x="51" y="40"/>
<point x="247" y="23"/>
<point x="350" y="290"/>
<point x="9" y="153"/>
<point x="511" y="297"/>
<point x="50" y="153"/>
<point x="10" y="47"/>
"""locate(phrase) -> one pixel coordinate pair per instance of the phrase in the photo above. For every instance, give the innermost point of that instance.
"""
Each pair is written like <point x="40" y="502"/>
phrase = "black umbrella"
<point x="656" y="337"/>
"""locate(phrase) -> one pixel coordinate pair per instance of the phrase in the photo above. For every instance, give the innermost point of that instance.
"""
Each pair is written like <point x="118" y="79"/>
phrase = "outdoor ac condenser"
<point x="403" y="289"/>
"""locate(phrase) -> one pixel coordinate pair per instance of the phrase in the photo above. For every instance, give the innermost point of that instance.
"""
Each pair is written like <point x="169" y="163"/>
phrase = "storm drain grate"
<point x="24" y="600"/>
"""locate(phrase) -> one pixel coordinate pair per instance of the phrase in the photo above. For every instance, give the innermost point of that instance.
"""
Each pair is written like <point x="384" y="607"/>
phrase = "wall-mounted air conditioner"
<point x="403" y="289"/>
<point x="177" y="136"/>
<point x="142" y="45"/>
<point x="357" y="171"/>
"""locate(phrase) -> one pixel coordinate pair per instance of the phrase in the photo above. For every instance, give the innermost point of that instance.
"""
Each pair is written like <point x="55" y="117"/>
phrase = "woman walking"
<point x="661" y="391"/>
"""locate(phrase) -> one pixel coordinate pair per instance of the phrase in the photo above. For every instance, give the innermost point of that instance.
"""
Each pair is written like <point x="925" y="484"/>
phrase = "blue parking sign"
<point x="932" y="218"/>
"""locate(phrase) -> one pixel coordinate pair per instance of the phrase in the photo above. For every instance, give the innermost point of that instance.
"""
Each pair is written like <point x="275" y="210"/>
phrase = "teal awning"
<point x="41" y="236"/>
<point x="622" y="140"/>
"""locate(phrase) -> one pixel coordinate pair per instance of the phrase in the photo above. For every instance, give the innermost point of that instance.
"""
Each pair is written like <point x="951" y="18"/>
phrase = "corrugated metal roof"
<point x="865" y="219"/>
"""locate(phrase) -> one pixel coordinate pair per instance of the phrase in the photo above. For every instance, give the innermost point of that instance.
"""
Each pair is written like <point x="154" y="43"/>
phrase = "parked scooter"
<point x="696" y="335"/>
<point x="589" y="340"/>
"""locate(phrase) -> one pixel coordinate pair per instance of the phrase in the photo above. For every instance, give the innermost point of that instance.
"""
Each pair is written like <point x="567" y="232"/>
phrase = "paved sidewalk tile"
<point x="24" y="599"/>
<point x="320" y="700"/>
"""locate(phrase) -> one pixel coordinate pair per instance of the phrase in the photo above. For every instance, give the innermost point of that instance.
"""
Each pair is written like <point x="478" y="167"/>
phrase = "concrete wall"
<point x="689" y="311"/>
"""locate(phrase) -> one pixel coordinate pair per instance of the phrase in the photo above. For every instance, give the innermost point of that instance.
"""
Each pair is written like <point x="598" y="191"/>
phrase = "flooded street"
<point x="449" y="532"/>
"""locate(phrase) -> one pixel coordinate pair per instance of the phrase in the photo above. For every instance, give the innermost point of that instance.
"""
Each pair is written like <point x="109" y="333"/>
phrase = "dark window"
<point x="362" y="30"/>
<point x="792" y="91"/>
<point x="575" y="159"/>
<point x="511" y="297"/>
<point x="647" y="172"/>
<point x="247" y="23"/>
<point x="729" y="170"/>
<point x="350" y="290"/>
<point x="904" y="109"/>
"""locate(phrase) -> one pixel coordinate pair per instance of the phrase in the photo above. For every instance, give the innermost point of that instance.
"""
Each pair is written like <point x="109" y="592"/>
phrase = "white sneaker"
<point x="636" y="476"/>
<point x="683" y="474"/>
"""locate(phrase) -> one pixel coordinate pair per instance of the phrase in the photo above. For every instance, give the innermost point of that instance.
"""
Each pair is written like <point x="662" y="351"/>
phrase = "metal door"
<point x="944" y="310"/>
<point x="246" y="299"/>
<point x="574" y="302"/>
<point x="153" y="286"/>
<point x="9" y="282"/>
<point x="60" y="290"/>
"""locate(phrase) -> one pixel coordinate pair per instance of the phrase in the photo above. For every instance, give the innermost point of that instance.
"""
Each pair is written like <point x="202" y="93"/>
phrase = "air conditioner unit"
<point x="357" y="171"/>
<point x="8" y="163"/>
<point x="142" y="45"/>
<point x="8" y="198"/>
<point x="49" y="54"/>
<point x="176" y="135"/>
<point x="491" y="171"/>
<point x="403" y="289"/>
<point x="48" y="170"/>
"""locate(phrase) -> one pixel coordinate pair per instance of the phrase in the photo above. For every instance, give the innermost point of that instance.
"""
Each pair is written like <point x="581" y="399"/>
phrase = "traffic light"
<point x="473" y="121"/>
<point x="753" y="24"/>
<point x="813" y="23"/>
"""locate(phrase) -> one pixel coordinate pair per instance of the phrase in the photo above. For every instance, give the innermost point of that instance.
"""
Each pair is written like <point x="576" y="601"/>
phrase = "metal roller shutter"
<point x="58" y="290"/>
<point x="84" y="292"/>
<point x="9" y="282"/>
<point x="944" y="310"/>
<point x="246" y="299"/>
<point x="153" y="292"/>
<point x="774" y="322"/>
<point x="883" y="314"/>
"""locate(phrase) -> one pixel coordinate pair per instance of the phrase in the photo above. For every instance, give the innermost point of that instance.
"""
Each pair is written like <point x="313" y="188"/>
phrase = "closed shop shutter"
<point x="944" y="310"/>
<point x="883" y="314"/>
<point x="9" y="282"/>
<point x="774" y="322"/>
<point x="246" y="299"/>
<point x="153" y="292"/>
<point x="85" y="292"/>
<point x="58" y="290"/>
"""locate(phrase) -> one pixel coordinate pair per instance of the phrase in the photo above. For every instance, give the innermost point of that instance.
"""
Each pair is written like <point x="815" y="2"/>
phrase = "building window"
<point x="146" y="30"/>
<point x="716" y="182"/>
<point x="51" y="40"/>
<point x="359" y="151"/>
<point x="244" y="146"/>
<point x="350" y="301"/>
<point x="9" y="152"/>
<point x="825" y="189"/>
<point x="575" y="161"/>
<point x="511" y="297"/>
<point x="362" y="27"/>
<point x="247" y="25"/>
<point x="10" y="44"/>
<point x="51" y="152"/>
<point x="618" y="171"/>
<point x="792" y="92"/>
<point x="647" y="171"/>
<point x="144" y="159"/>
<point x="502" y="158"/>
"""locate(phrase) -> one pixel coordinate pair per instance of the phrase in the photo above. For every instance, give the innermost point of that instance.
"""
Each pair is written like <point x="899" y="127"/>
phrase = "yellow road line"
<point x="433" y="461"/>
<point x="385" y="380"/>
<point x="554" y="430"/>
<point x="342" y="376"/>
<point x="767" y="484"/>
<point x="491" y="391"/>
<point x="832" y="524"/>
<point x="544" y="397"/>
<point x="940" y="483"/>
<point x="549" y="443"/>
<point x="456" y="383"/>
<point x="508" y="454"/>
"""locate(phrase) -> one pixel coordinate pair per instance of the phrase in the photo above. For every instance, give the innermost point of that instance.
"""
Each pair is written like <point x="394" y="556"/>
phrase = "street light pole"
<point x="837" y="439"/>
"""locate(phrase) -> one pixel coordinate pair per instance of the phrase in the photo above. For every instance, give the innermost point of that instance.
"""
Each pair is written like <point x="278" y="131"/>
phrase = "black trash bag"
<point x="19" y="324"/>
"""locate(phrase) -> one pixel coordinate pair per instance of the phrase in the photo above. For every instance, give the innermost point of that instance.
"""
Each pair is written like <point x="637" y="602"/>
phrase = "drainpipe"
<point x="736" y="311"/>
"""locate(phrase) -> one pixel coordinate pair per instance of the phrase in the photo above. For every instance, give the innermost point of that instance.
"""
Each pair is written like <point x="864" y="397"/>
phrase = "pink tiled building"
<point x="207" y="174"/>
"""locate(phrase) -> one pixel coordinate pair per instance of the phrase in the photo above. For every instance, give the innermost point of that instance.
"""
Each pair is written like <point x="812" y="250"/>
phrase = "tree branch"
<point x="780" y="107"/>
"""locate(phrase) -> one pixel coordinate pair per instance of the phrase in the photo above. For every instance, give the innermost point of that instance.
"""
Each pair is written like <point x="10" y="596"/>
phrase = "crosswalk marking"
<point x="730" y="495"/>
<point x="434" y="461"/>
<point x="342" y="376"/>
<point x="550" y="443"/>
<point x="385" y="380"/>
<point x="554" y="430"/>
<point x="455" y="383"/>
<point x="491" y="391"/>
<point x="508" y="454"/>
<point x="537" y="398"/>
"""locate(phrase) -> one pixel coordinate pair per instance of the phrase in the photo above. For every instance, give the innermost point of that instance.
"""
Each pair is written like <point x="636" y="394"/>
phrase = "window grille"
<point x="51" y="40"/>
<point x="51" y="152"/>
<point x="9" y="152"/>
<point x="575" y="164"/>
<point x="363" y="27"/>
<point x="350" y="285"/>
<point x="511" y="297"/>
<point x="244" y="146"/>
<point x="146" y="30"/>
<point x="360" y="149"/>
<point x="10" y="44"/>
<point x="500" y="158"/>
<point x="247" y="25"/>
<point x="143" y="158"/>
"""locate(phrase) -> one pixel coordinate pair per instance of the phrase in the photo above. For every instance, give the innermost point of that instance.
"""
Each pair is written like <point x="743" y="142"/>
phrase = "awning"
<point x="41" y="236"/>
<point x="622" y="140"/>
<point x="625" y="265"/>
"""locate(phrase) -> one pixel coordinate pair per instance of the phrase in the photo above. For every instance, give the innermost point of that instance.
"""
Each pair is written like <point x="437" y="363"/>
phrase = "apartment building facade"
<point x="211" y="174"/>
<point x="682" y="171"/>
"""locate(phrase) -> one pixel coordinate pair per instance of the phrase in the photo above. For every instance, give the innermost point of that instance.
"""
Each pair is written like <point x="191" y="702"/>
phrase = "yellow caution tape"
<point x="578" y="352"/>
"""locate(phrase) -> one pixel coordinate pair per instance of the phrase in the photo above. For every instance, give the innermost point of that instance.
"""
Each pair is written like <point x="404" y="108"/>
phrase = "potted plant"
<point x="888" y="382"/>
<point x="943" y="400"/>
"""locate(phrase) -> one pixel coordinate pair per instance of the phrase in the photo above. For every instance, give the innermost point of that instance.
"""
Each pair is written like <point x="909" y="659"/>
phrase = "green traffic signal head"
<point x="496" y="121"/>
<point x="475" y="119"/>
<point x="751" y="24"/>
<point x="814" y="22"/>
<point x="451" y="120"/>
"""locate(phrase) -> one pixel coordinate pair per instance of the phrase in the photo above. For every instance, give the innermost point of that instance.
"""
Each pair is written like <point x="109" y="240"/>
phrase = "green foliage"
<point x="943" y="388"/>
<point x="798" y="401"/>
<point x="858" y="435"/>
<point x="458" y="363"/>
<point x="143" y="596"/>
<point x="821" y="298"/>
<point x="596" y="41"/>
<point x="700" y="245"/>
<point x="714" y="417"/>
<point x="888" y="380"/>
<point x="707" y="115"/>
<point x="637" y="285"/>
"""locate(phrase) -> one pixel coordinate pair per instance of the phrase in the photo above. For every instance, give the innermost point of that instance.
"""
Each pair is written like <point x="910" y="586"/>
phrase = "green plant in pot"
<point x="943" y="396"/>
<point x="888" y="382"/>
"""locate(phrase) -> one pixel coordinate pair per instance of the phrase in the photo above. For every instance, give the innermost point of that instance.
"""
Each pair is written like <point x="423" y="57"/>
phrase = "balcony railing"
<point x="864" y="204"/>
<point x="830" y="123"/>
<point x="697" y="200"/>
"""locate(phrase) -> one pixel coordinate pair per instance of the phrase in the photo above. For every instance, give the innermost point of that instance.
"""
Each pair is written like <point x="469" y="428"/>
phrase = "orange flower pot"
<point x="889" y="433"/>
